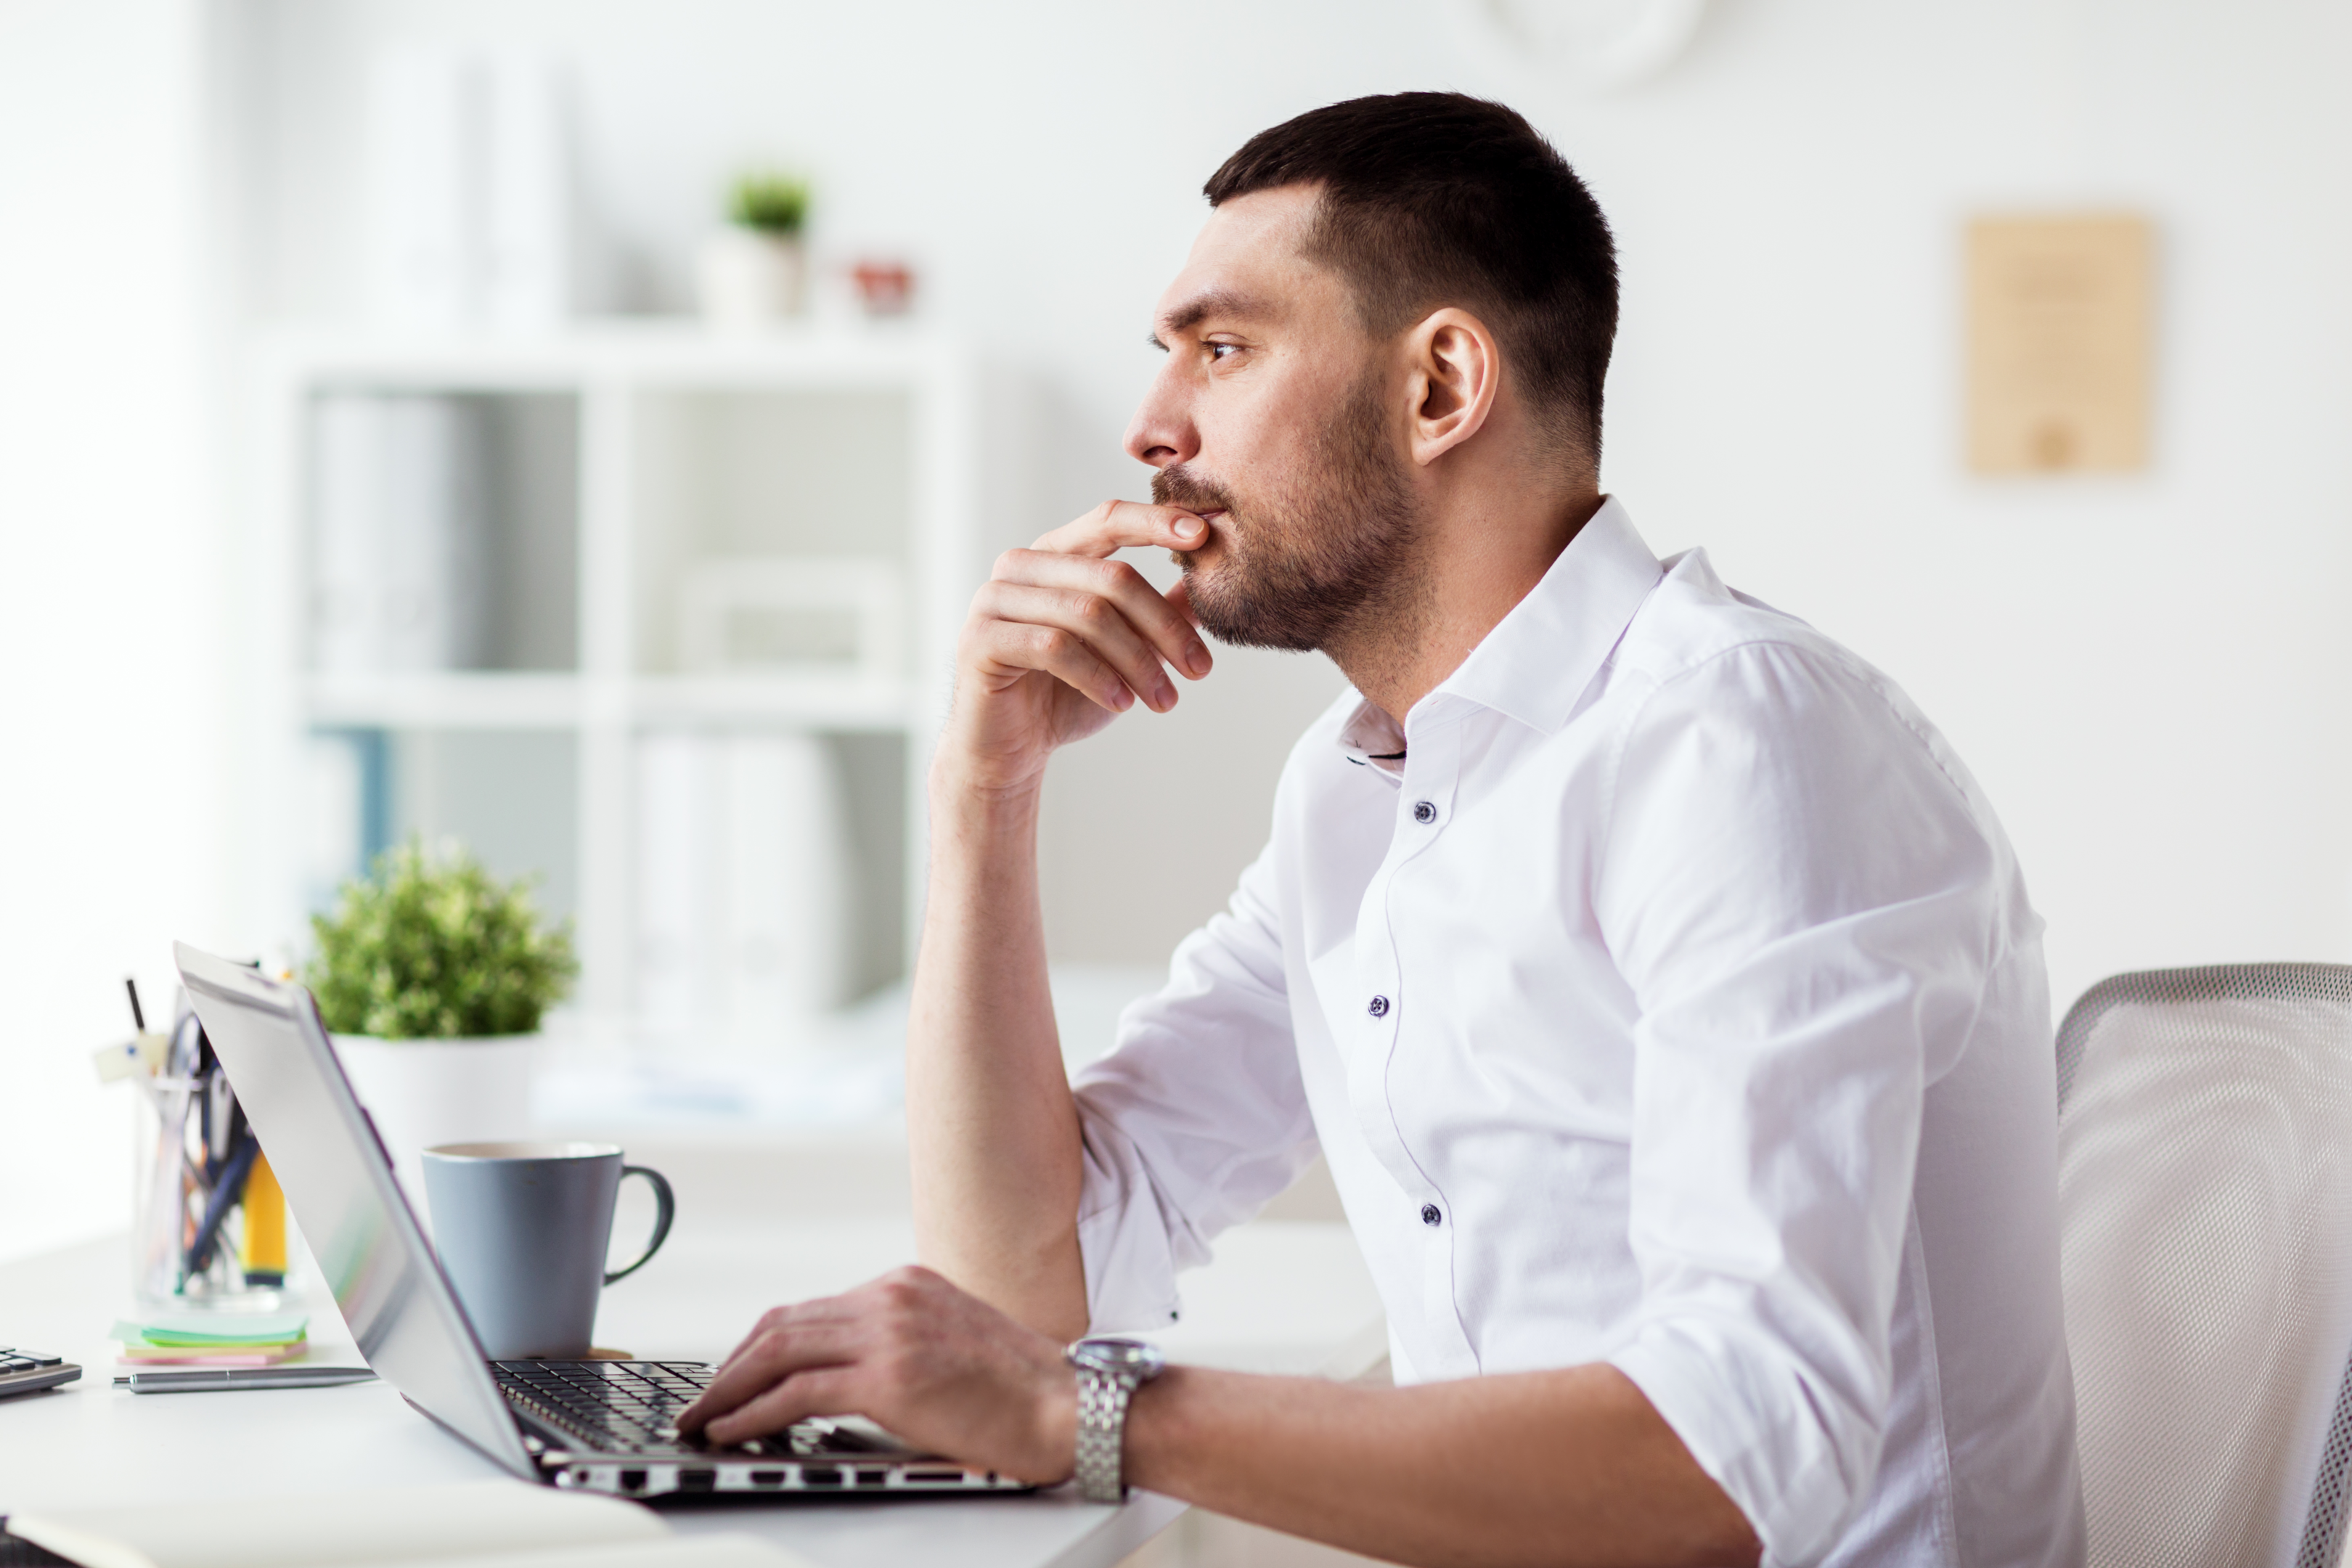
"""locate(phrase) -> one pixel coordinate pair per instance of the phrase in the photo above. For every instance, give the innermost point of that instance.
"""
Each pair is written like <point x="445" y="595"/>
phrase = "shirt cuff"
<point x="1757" y="1431"/>
<point x="1132" y="1243"/>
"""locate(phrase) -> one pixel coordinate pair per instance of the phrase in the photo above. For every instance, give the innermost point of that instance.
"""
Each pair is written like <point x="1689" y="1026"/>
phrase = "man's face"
<point x="1272" y="420"/>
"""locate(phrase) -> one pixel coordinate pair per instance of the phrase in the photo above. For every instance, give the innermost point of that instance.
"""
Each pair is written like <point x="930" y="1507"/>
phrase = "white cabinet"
<point x="665" y="616"/>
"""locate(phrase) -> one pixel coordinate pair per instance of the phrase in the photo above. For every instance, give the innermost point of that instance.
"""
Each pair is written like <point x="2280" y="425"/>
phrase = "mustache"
<point x="1179" y="486"/>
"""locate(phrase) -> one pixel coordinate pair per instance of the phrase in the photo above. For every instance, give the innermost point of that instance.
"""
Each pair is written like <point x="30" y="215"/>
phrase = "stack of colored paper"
<point x="214" y="1339"/>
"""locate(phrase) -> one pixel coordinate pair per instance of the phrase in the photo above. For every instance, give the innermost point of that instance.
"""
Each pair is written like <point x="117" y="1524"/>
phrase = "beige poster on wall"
<point x="2060" y="352"/>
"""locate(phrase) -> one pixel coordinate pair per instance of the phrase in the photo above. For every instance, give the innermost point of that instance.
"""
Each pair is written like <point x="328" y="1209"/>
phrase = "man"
<point x="1659" y="986"/>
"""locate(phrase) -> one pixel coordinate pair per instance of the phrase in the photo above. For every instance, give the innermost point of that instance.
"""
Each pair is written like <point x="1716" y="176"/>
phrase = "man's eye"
<point x="1218" y="351"/>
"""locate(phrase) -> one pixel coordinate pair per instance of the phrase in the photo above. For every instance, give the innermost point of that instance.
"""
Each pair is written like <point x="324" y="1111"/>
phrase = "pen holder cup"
<point x="209" y="1229"/>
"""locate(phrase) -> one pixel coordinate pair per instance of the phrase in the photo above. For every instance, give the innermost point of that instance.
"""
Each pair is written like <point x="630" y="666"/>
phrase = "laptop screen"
<point x="325" y="1152"/>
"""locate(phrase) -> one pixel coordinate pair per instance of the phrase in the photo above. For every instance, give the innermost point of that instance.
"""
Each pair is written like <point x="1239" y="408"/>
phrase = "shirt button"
<point x="1429" y="1214"/>
<point x="1377" y="1007"/>
<point x="1424" y="811"/>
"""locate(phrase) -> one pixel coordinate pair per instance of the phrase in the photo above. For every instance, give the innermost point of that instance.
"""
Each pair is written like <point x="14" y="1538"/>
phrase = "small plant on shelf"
<point x="433" y="946"/>
<point x="771" y="203"/>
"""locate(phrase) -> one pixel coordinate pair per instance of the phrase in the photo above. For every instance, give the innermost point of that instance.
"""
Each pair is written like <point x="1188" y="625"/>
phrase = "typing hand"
<point x="940" y="1368"/>
<point x="1062" y="638"/>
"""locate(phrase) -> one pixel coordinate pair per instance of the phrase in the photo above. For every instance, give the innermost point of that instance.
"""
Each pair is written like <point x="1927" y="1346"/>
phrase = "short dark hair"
<point x="1436" y="198"/>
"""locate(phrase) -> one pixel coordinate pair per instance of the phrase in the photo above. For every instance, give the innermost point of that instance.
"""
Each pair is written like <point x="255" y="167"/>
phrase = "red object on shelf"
<point x="884" y="287"/>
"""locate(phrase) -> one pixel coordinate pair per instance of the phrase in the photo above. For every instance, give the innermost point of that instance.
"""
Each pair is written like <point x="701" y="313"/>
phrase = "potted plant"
<point x="432" y="977"/>
<point x="754" y="269"/>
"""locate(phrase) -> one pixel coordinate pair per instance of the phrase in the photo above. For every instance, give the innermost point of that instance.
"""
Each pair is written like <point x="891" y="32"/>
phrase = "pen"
<point x="229" y="1187"/>
<point x="242" y="1377"/>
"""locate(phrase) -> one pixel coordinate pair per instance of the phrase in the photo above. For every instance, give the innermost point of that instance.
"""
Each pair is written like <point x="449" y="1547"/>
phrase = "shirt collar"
<point x="1539" y="659"/>
<point x="1372" y="739"/>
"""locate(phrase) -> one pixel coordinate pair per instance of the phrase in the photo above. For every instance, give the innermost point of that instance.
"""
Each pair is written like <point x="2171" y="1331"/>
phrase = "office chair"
<point x="2205" y="1200"/>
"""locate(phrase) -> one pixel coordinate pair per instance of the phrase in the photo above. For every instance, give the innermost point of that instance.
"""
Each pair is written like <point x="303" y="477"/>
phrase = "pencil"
<point x="265" y="1226"/>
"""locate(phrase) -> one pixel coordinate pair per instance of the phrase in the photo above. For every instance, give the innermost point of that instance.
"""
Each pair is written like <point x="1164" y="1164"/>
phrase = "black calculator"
<point x="23" y="1371"/>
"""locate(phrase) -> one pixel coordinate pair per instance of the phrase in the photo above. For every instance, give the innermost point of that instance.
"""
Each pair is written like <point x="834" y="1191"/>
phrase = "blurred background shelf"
<point x="821" y="355"/>
<point x="816" y="702"/>
<point x="659" y="615"/>
<point x="494" y="701"/>
<point x="452" y="701"/>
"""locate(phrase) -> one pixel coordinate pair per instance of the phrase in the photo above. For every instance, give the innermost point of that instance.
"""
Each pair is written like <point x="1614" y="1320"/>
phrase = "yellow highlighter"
<point x="264" y="1250"/>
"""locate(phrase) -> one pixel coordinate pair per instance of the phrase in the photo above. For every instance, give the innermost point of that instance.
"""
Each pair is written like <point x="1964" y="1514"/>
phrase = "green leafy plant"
<point x="433" y="947"/>
<point x="772" y="202"/>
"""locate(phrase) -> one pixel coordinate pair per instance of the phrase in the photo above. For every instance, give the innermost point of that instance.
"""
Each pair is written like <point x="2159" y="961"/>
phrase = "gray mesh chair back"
<point x="2205" y="1193"/>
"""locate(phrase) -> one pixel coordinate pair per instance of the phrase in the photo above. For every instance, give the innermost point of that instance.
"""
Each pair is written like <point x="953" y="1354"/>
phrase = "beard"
<point x="1323" y="552"/>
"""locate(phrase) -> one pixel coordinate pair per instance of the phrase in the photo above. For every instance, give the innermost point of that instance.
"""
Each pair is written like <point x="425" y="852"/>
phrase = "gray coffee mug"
<point x="522" y="1229"/>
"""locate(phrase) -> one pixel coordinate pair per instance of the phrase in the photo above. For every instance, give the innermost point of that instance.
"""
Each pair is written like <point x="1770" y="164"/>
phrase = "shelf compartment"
<point x="510" y="795"/>
<point x="775" y="485"/>
<point x="462" y="700"/>
<point x="815" y="703"/>
<point x="442" y="529"/>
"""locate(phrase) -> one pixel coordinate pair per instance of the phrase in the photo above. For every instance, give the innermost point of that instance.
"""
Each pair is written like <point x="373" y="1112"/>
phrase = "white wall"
<point x="2149" y="675"/>
<point x="109" y="679"/>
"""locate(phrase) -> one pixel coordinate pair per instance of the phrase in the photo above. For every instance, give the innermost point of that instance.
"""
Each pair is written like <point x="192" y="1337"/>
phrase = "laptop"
<point x="592" y="1425"/>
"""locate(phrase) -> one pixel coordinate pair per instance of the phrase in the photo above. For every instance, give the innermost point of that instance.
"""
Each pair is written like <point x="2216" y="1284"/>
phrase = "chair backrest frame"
<point x="2322" y="1540"/>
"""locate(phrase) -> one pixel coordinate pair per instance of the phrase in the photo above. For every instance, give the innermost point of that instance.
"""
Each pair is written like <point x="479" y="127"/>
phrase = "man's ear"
<point x="1455" y="369"/>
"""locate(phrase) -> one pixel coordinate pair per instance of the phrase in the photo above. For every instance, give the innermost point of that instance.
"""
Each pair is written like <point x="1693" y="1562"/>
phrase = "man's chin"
<point x="1234" y="620"/>
<point x="1205" y="590"/>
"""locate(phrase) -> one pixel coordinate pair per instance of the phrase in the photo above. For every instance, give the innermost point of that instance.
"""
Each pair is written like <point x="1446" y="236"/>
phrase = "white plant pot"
<point x="751" y="280"/>
<point x="424" y="1093"/>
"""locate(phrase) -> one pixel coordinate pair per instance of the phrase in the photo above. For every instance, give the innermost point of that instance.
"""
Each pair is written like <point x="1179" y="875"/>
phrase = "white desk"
<point x="1281" y="1296"/>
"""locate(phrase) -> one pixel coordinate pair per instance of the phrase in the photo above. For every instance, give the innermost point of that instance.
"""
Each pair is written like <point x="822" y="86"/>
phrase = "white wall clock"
<point x="1595" y="43"/>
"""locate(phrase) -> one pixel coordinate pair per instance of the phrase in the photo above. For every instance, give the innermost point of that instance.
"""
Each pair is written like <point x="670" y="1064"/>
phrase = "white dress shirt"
<point x="1673" y="1002"/>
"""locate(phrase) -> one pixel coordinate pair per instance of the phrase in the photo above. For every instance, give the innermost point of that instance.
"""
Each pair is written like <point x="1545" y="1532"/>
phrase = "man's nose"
<point x="1161" y="434"/>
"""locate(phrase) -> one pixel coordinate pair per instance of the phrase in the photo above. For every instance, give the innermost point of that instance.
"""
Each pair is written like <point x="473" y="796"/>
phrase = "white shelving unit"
<point x="669" y="447"/>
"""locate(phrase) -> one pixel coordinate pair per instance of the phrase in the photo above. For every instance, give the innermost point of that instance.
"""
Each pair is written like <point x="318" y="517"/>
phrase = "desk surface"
<point x="1281" y="1296"/>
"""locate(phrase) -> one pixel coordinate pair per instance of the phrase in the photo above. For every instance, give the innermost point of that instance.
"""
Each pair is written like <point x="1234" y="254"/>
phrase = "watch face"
<point x="1140" y="1358"/>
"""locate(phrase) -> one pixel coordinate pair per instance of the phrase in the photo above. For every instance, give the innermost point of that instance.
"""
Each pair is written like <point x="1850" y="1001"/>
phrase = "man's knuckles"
<point x="770" y="1355"/>
<point x="1091" y="610"/>
<point x="1022" y="645"/>
<point x="1112" y="577"/>
<point x="1047" y="645"/>
<point x="907" y="1285"/>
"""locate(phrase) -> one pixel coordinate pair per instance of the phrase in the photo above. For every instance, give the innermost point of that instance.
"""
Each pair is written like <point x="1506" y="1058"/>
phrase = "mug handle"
<point x="665" y="1208"/>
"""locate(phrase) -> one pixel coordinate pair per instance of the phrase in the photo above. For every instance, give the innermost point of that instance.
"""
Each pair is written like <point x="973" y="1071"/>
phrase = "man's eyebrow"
<point x="1208" y="303"/>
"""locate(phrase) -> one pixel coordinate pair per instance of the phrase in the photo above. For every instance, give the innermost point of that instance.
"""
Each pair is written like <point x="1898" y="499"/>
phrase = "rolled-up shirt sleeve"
<point x="1796" y="889"/>
<point x="1196" y="1118"/>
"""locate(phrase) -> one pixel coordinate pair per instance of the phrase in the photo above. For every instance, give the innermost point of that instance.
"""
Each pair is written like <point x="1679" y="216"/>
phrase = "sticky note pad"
<point x="223" y="1329"/>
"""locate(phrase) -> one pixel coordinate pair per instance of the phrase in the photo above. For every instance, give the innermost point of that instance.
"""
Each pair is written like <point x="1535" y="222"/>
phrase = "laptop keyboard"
<point x="631" y="1408"/>
<point x="15" y="1553"/>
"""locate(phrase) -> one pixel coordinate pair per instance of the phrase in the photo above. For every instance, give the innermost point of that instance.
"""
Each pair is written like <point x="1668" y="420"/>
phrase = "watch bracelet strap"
<point x="1102" y="1429"/>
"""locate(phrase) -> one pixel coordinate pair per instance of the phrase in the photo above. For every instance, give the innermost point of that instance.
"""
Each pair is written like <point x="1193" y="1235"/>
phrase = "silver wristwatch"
<point x="1110" y="1372"/>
